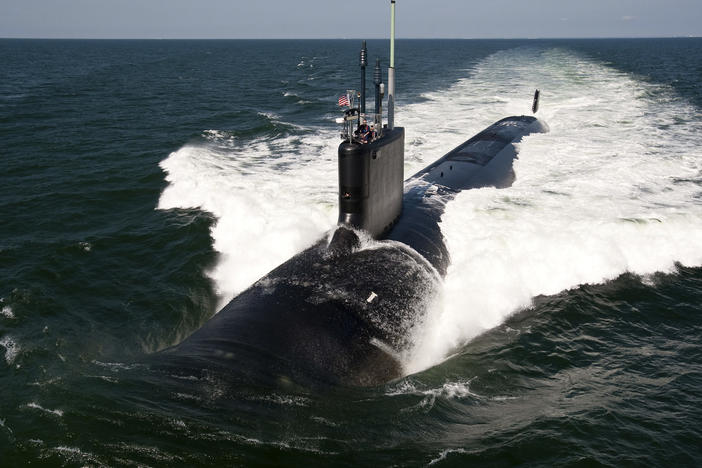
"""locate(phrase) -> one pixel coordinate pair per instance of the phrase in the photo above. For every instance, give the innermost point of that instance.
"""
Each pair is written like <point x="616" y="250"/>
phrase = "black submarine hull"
<point x="344" y="310"/>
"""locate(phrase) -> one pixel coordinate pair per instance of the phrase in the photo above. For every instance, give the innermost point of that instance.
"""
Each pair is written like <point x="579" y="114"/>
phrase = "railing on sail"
<point x="351" y="131"/>
<point x="357" y="114"/>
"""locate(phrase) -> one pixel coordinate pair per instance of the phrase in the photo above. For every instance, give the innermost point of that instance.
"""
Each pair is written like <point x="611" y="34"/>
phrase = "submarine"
<point x="343" y="311"/>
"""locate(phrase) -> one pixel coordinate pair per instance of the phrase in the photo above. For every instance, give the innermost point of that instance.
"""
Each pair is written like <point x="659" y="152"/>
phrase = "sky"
<point x="367" y="19"/>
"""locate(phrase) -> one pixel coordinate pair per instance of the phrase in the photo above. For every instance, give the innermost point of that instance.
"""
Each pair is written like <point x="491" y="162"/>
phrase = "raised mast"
<point x="378" y="82"/>
<point x="391" y="69"/>
<point x="364" y="63"/>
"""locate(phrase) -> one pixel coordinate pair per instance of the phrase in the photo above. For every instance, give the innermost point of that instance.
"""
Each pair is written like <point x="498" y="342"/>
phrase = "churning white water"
<point x="614" y="187"/>
<point x="270" y="200"/>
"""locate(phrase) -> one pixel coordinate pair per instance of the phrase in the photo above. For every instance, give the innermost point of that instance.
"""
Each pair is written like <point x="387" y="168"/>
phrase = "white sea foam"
<point x="38" y="407"/>
<point x="445" y="453"/>
<point x="272" y="198"/>
<point x="448" y="391"/>
<point x="152" y="453"/>
<point x="283" y="400"/>
<point x="12" y="349"/>
<point x="613" y="188"/>
<point x="75" y="456"/>
<point x="6" y="427"/>
<point x="186" y="396"/>
<point x="116" y="366"/>
<point x="6" y="312"/>
<point x="69" y="450"/>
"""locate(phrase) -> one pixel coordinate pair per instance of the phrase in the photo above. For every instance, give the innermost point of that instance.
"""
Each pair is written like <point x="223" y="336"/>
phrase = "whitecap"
<point x="36" y="406"/>
<point x="12" y="349"/>
<point x="7" y="312"/>
<point x="445" y="453"/>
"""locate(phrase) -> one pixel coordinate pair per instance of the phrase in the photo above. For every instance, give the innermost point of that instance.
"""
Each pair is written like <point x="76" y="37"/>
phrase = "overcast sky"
<point x="236" y="19"/>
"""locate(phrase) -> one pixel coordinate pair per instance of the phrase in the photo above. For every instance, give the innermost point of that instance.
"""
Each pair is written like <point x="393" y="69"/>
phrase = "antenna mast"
<point x="364" y="62"/>
<point x="391" y="69"/>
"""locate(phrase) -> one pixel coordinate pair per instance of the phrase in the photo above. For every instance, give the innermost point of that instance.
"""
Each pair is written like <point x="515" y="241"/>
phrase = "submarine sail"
<point x="371" y="160"/>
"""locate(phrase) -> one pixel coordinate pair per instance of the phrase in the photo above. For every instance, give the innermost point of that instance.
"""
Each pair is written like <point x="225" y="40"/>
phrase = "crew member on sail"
<point x="364" y="132"/>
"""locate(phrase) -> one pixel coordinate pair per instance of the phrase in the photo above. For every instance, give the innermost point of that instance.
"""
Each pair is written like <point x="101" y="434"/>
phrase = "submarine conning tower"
<point x="371" y="157"/>
<point x="371" y="182"/>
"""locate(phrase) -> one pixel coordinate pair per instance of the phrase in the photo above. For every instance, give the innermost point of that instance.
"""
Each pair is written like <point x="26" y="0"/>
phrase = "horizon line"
<point x="334" y="38"/>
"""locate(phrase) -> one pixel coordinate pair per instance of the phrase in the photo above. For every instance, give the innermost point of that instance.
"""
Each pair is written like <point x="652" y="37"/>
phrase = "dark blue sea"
<point x="143" y="184"/>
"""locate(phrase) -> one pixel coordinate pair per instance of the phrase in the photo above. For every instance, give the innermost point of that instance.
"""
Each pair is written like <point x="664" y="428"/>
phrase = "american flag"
<point x="344" y="100"/>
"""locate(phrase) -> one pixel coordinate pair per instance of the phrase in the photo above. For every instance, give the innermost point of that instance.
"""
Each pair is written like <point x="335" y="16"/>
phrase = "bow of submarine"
<point x="337" y="317"/>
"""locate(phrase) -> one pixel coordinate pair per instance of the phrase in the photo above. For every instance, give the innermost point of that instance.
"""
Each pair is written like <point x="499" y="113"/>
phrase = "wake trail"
<point x="614" y="187"/>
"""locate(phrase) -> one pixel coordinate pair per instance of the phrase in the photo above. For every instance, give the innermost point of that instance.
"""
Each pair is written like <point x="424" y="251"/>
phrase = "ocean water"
<point x="146" y="183"/>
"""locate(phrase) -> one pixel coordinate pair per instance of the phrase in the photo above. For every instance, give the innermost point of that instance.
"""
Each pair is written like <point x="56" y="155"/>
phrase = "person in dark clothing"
<point x="364" y="132"/>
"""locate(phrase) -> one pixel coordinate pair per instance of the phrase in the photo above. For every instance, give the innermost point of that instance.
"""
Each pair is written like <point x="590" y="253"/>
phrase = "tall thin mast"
<point x="377" y="81"/>
<point x="364" y="63"/>
<point x="391" y="70"/>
